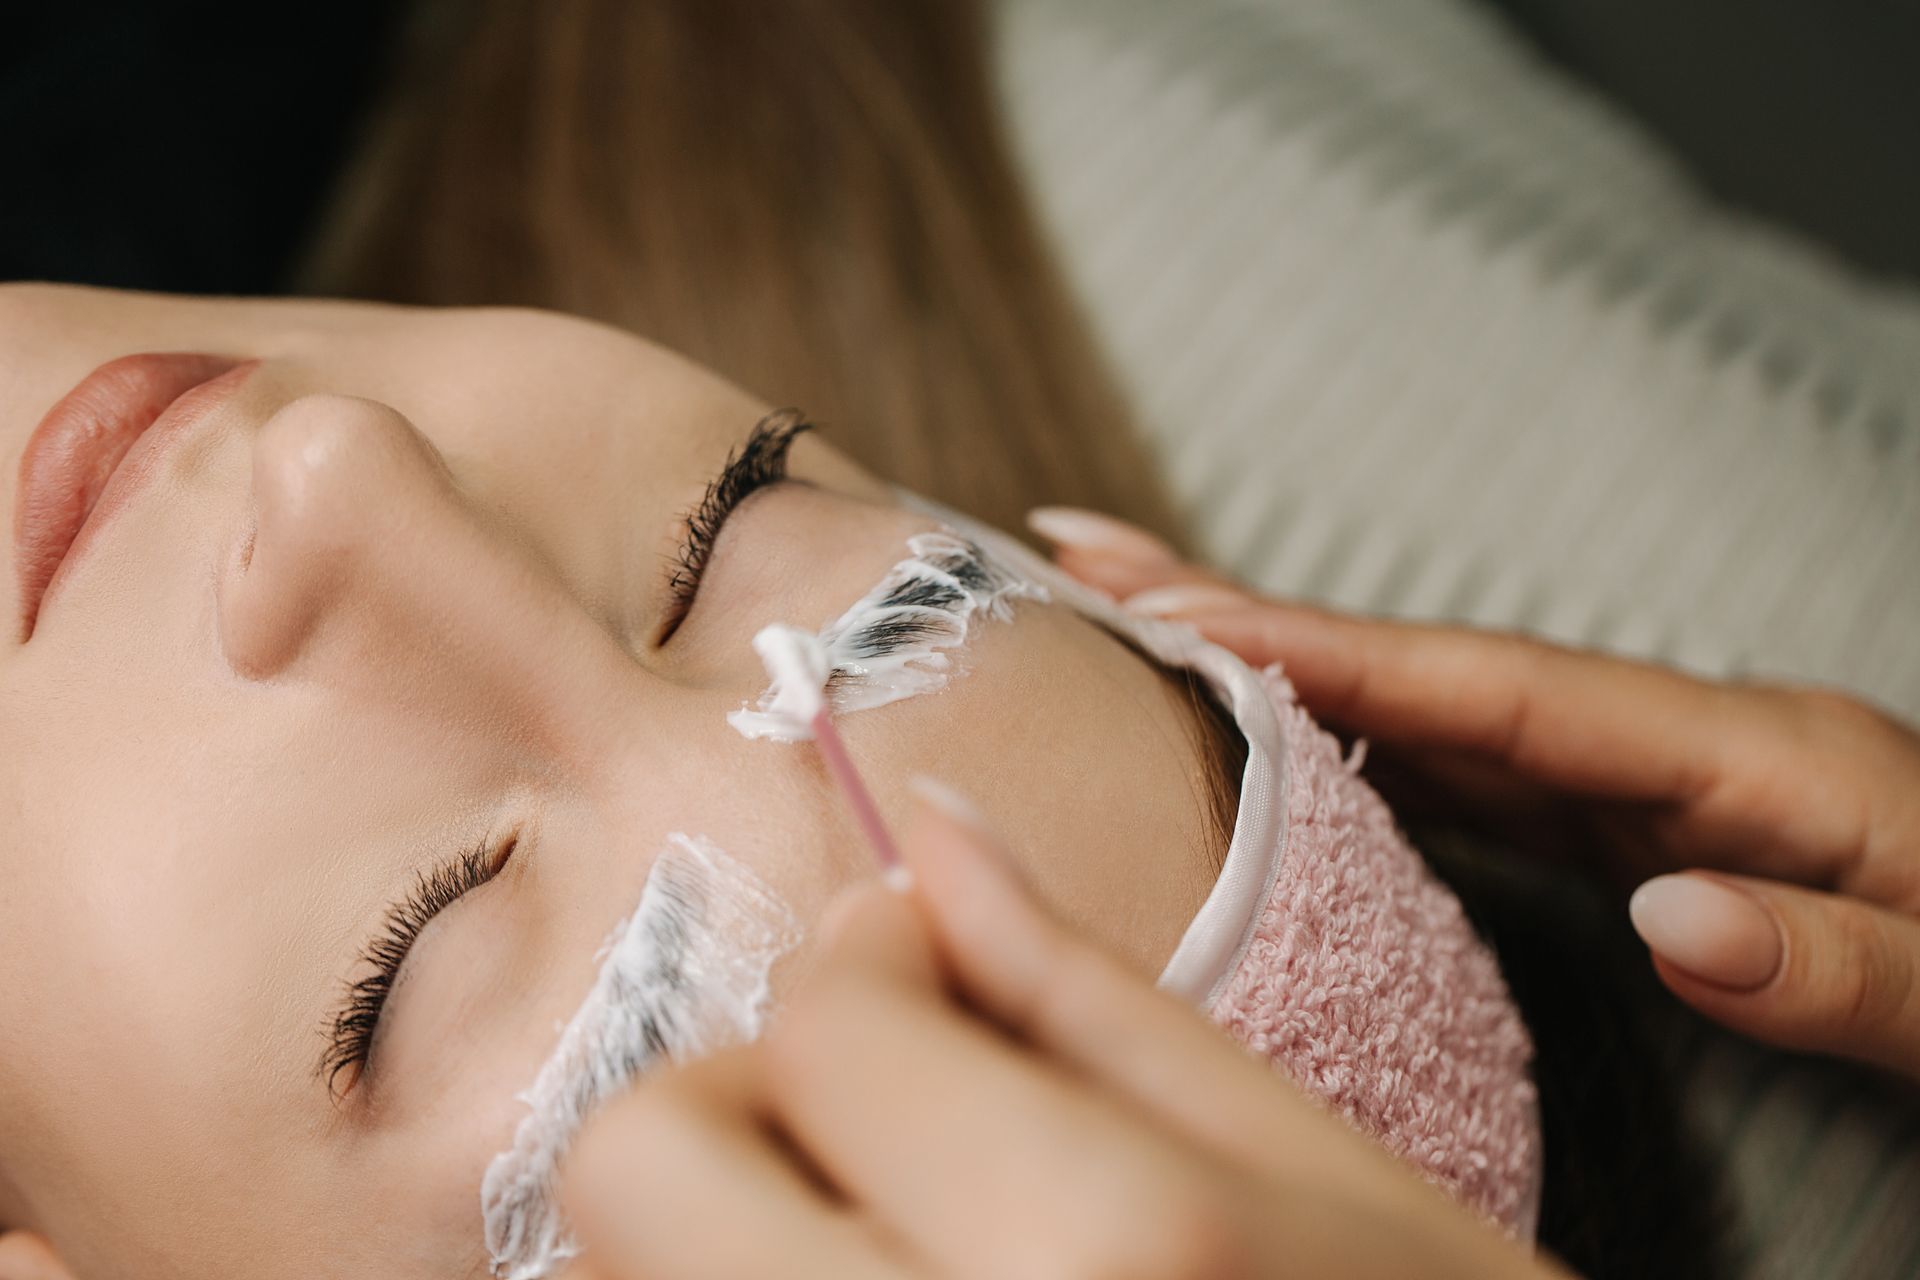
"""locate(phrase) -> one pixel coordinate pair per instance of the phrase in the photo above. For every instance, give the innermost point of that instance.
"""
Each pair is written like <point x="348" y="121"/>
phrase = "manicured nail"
<point x="1707" y="927"/>
<point x="1101" y="535"/>
<point x="956" y="808"/>
<point x="1182" y="597"/>
<point x="948" y="802"/>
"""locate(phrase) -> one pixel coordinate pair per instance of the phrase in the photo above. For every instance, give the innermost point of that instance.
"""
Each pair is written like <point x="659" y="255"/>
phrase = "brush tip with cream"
<point x="796" y="663"/>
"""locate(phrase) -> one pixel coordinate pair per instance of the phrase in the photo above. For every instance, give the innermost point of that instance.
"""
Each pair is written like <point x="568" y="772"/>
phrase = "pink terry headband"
<point x="1327" y="945"/>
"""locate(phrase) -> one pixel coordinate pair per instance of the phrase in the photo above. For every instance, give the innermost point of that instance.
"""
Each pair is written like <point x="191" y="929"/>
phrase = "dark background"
<point x="187" y="146"/>
<point x="175" y="146"/>
<point x="1805" y="112"/>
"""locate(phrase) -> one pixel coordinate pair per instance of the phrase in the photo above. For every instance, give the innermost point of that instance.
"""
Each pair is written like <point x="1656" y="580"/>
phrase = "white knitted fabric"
<point x="1419" y="328"/>
<point x="1422" y="330"/>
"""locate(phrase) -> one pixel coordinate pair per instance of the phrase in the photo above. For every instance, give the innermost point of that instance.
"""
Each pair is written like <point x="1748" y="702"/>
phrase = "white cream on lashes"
<point x="799" y="668"/>
<point x="731" y="928"/>
<point x="919" y="666"/>
<point x="525" y="1233"/>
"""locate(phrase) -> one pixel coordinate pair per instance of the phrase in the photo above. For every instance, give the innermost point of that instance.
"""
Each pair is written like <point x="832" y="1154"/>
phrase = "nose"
<point x="368" y="565"/>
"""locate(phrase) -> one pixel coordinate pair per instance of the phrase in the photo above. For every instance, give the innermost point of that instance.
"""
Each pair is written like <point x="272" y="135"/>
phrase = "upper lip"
<point x="91" y="451"/>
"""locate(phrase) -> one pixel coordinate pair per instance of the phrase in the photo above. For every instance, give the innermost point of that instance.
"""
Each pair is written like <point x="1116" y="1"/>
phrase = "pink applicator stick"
<point x="859" y="799"/>
<point x="797" y="664"/>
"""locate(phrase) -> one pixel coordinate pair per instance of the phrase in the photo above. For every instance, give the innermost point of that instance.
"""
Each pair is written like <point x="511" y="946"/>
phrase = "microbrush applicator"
<point x="797" y="663"/>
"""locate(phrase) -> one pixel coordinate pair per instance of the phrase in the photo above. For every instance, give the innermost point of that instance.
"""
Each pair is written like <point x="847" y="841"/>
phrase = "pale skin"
<point x="398" y="595"/>
<point x="224" y="765"/>
<point x="967" y="1088"/>
<point x="952" y="1064"/>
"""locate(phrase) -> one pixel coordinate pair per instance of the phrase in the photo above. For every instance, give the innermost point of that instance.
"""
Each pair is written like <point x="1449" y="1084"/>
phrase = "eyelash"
<point x="759" y="461"/>
<point x="351" y="1033"/>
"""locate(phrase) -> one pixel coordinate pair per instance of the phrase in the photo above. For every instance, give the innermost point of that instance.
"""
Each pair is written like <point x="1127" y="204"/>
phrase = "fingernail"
<point x="1182" y="597"/>
<point x="1709" y="928"/>
<point x="948" y="802"/>
<point x="1103" y="535"/>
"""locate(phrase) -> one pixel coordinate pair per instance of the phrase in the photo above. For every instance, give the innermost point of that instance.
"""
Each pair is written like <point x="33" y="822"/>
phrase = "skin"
<point x="987" y="1032"/>
<point x="401" y="594"/>
<point x="986" y="1029"/>
<point x="398" y="595"/>
<point x="1798" y="807"/>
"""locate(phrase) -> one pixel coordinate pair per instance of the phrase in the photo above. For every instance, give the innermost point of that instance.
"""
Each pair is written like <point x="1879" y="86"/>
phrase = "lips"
<point x="81" y="464"/>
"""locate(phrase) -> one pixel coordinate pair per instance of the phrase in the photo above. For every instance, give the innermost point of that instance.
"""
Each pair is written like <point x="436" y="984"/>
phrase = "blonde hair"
<point x="813" y="197"/>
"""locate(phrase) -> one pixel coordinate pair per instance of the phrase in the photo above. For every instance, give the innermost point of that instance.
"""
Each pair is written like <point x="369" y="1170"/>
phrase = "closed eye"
<point x="353" y="1027"/>
<point x="759" y="461"/>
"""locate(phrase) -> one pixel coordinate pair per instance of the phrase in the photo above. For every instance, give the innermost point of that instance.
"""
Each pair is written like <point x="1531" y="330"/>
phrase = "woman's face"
<point x="397" y="592"/>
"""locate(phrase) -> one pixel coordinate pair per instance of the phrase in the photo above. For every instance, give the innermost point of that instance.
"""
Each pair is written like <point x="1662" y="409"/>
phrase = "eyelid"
<point x="757" y="463"/>
<point x="358" y="1019"/>
<point x="771" y="486"/>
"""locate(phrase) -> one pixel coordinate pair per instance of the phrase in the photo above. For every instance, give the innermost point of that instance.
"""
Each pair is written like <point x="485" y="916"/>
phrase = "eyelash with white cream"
<point x="683" y="976"/>
<point x="900" y="638"/>
<point x="759" y="461"/>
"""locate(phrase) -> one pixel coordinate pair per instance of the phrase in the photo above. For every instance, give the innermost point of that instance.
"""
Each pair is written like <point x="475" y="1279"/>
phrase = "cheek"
<point x="1077" y="751"/>
<point x="767" y="806"/>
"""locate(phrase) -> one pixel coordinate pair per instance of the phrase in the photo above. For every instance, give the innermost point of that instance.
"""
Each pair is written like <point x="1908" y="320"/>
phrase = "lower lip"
<point x="95" y="450"/>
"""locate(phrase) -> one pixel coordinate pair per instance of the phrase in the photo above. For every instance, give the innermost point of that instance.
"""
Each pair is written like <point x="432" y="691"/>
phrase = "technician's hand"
<point x="962" y="1088"/>
<point x="1813" y="798"/>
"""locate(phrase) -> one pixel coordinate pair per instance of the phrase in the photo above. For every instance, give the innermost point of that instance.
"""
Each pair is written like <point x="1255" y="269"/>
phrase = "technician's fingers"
<point x="1804" y="784"/>
<point x="1593" y="724"/>
<point x="981" y="1156"/>
<point x="1791" y="966"/>
<point x="1110" y="555"/>
<point x="26" y="1256"/>
<point x="683" y="1178"/>
<point x="1311" y="1193"/>
<point x="1076" y="1003"/>
<point x="1568" y="719"/>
